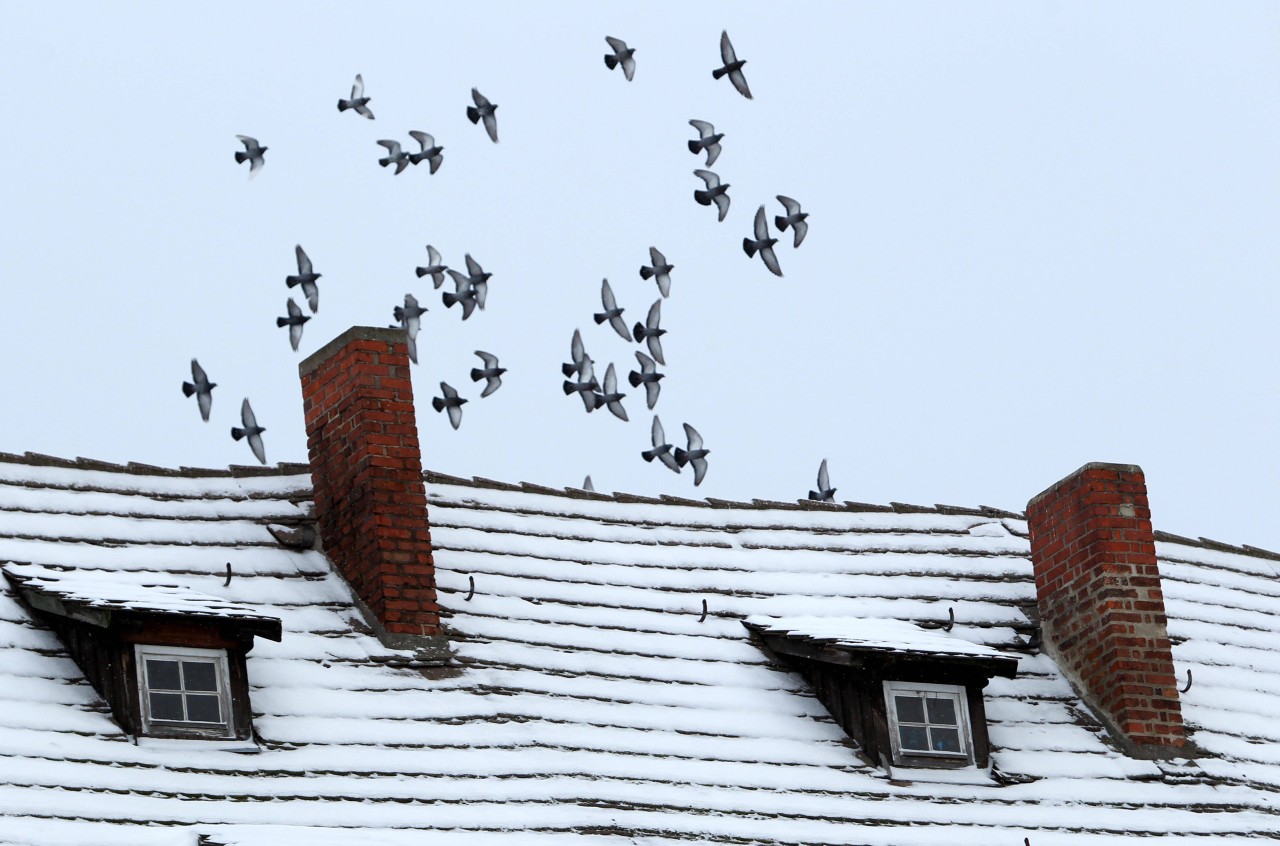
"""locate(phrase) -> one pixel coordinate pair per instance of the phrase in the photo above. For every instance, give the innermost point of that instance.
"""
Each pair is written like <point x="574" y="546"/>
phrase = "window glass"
<point x="910" y="708"/>
<point x="162" y="674"/>
<point x="203" y="708"/>
<point x="942" y="710"/>
<point x="166" y="706"/>
<point x="914" y="737"/>
<point x="199" y="675"/>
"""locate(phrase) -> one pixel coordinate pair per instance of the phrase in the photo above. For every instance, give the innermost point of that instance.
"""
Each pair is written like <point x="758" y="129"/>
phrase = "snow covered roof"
<point x="593" y="700"/>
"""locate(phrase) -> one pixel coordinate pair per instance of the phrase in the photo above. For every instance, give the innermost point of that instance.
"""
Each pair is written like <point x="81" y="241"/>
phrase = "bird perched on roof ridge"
<point x="201" y="387"/>
<point x="824" y="493"/>
<point x="650" y="333"/>
<point x="695" y="454"/>
<point x="253" y="153"/>
<point x="715" y="192"/>
<point x="395" y="155"/>
<point x="611" y="312"/>
<point x="294" y="321"/>
<point x="732" y="66"/>
<point x="250" y="430"/>
<point x="762" y="244"/>
<point x="649" y="377"/>
<point x="610" y="396"/>
<point x="451" y="401"/>
<point x="434" y="267"/>
<point x="622" y="55"/>
<point x="483" y="109"/>
<point x="306" y="278"/>
<point x="661" y="449"/>
<point x="409" y="316"/>
<point x="430" y="152"/>
<point x="358" y="101"/>
<point x="794" y="218"/>
<point x="491" y="373"/>
<point x="659" y="271"/>
<point x="708" y="142"/>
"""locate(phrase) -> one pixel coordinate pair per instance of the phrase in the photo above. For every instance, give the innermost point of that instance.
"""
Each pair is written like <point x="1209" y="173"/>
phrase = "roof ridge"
<point x="134" y="468"/>
<point x="1209" y="543"/>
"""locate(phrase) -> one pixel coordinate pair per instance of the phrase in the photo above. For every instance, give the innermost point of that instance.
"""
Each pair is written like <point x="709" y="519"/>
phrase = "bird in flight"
<point x="610" y="396"/>
<point x="483" y="109"/>
<point x="649" y="332"/>
<point x="695" y="454"/>
<point x="253" y="153"/>
<point x="201" y="387"/>
<point x="358" y="101"/>
<point x="661" y="449"/>
<point x="430" y="153"/>
<point x="709" y="141"/>
<point x="294" y="321"/>
<point x="611" y="312"/>
<point x="394" y="155"/>
<point x="762" y="244"/>
<point x="714" y="193"/>
<point x="659" y="271"/>
<point x="451" y="401"/>
<point x="732" y="66"/>
<point x="251" y="430"/>
<point x="306" y="278"/>
<point x="622" y="55"/>
<point x="579" y="362"/>
<point x="648" y="376"/>
<point x="409" y="316"/>
<point x="434" y="267"/>
<point x="794" y="218"/>
<point x="824" y="493"/>
<point x="491" y="373"/>
<point x="465" y="294"/>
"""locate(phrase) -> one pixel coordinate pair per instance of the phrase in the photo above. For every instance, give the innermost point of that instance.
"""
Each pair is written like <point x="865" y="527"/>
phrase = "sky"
<point x="1041" y="234"/>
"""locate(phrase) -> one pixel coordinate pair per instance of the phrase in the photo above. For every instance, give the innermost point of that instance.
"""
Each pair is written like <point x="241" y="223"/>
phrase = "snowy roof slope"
<point x="594" y="699"/>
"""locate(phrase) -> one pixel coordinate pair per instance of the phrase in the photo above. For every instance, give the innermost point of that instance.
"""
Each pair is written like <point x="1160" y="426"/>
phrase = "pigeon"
<point x="763" y="244"/>
<point x="253" y="153"/>
<point x="201" y="387"/>
<point x="648" y="332"/>
<point x="710" y="141"/>
<point x="732" y="66"/>
<point x="714" y="193"/>
<point x="610" y="396"/>
<point x="465" y="294"/>
<point x="434" y="267"/>
<point x="451" y="401"/>
<point x="294" y="321"/>
<point x="306" y="278"/>
<point x="484" y="109"/>
<point x="794" y="219"/>
<point x="581" y="364"/>
<point x="611" y="312"/>
<point x="587" y="486"/>
<point x="661" y="449"/>
<point x="659" y="270"/>
<point x="587" y="388"/>
<point x="410" y="317"/>
<point x="394" y="155"/>
<point x="478" y="279"/>
<point x="251" y="430"/>
<point x="492" y="373"/>
<point x="429" y="153"/>
<point x="695" y="454"/>
<point x="649" y="377"/>
<point x="824" y="493"/>
<point x="622" y="55"/>
<point x="358" y="101"/>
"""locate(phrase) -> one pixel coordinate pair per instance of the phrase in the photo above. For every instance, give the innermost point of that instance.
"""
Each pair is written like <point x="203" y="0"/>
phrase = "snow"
<point x="888" y="635"/>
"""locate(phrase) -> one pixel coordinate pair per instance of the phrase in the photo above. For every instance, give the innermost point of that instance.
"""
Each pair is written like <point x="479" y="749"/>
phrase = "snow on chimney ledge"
<point x="366" y="472"/>
<point x="1101" y="605"/>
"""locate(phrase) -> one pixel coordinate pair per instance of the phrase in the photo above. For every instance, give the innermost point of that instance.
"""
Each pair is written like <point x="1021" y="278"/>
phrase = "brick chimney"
<point x="366" y="471"/>
<point x="1101" y="606"/>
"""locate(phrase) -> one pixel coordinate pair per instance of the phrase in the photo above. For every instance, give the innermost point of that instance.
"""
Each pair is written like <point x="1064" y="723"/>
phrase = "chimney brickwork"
<point x="1101" y="605"/>
<point x="366" y="471"/>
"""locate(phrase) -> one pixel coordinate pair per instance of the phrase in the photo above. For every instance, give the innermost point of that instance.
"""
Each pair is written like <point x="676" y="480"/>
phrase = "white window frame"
<point x="182" y="728"/>
<point x="957" y="694"/>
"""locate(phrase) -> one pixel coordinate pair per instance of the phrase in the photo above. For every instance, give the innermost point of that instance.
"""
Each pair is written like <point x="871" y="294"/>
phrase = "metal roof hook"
<point x="951" y="620"/>
<point x="228" y="580"/>
<point x="703" y="618"/>
<point x="471" y="582"/>
<point x="1188" y="687"/>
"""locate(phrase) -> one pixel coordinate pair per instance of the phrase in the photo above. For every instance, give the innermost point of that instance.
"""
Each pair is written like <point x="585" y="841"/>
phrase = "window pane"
<point x="942" y="710"/>
<point x="203" y="709"/>
<point x="945" y="740"/>
<point x="910" y="708"/>
<point x="166" y="706"/>
<point x="199" y="675"/>
<point x="162" y="675"/>
<point x="913" y="737"/>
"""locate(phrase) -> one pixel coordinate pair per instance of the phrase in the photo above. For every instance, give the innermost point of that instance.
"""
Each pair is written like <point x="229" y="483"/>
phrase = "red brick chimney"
<point x="366" y="471"/>
<point x="1101" y="606"/>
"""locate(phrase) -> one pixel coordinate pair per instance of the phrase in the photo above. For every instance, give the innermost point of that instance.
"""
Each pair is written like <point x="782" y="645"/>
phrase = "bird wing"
<point x="615" y="407"/>
<point x="455" y="416"/>
<point x="393" y="147"/>
<point x="669" y="460"/>
<point x="480" y="100"/>
<point x="801" y="228"/>
<point x="620" y="327"/>
<point x="713" y="153"/>
<point x="659" y="437"/>
<point x="658" y="259"/>
<point x="606" y="297"/>
<point x="629" y="71"/>
<point x="617" y="44"/>
<point x="655" y="315"/>
<point x="587" y="486"/>
<point x="789" y="204"/>
<point x="294" y="311"/>
<point x="610" y="380"/>
<point x="433" y="257"/>
<point x="695" y="440"/>
<point x="726" y="49"/>
<point x="473" y="266"/>
<point x="722" y="203"/>
<point x="490" y="360"/>
<point x="197" y="374"/>
<point x="576" y="350"/>
<point x="664" y="283"/>
<point x="295" y="335"/>
<point x="365" y="111"/>
<point x="250" y="144"/>
<point x="761" y="225"/>
<point x="461" y="282"/>
<point x="492" y="383"/>
<point x="413" y="349"/>
<point x="255" y="444"/>
<point x="708" y="177"/>
<point x="704" y="129"/>
<point x="655" y="348"/>
<point x="304" y="263"/>
<point x="740" y="82"/>
<point x="205" y="400"/>
<point x="423" y="139"/>
<point x="312" y="292"/>
<point x="770" y="259"/>
<point x="357" y="89"/>
<point x="824" y="480"/>
<point x="651" y="390"/>
<point x="247" y="420"/>
<point x="646" y="363"/>
<point x="448" y="391"/>
<point x="491" y="126"/>
<point x="699" y="470"/>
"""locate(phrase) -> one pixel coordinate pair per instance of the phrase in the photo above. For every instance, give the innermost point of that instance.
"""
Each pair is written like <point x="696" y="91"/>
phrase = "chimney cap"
<point x="391" y="335"/>
<point x="1092" y="465"/>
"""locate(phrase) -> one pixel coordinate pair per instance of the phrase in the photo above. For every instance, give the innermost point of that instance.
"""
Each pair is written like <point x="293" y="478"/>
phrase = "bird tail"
<point x="236" y="433"/>
<point x="282" y="321"/>
<point x="398" y="313"/>
<point x="646" y="272"/>
<point x="610" y="61"/>
<point x="780" y="222"/>
<point x="718" y="72"/>
<point x="749" y="247"/>
<point x="473" y="114"/>
<point x="569" y="387"/>
<point x="188" y="389"/>
<point x="634" y="378"/>
<point x="437" y="403"/>
<point x="638" y="333"/>
<point x="240" y="157"/>
<point x="702" y="197"/>
<point x="476" y="374"/>
<point x="682" y="457"/>
<point x="568" y="369"/>
<point x="384" y="162"/>
<point x="421" y="271"/>
<point x="648" y="454"/>
<point x="414" y="158"/>
<point x="291" y="281"/>
<point x="449" y="299"/>
<point x="343" y="105"/>
<point x="694" y="148"/>
<point x="599" y="318"/>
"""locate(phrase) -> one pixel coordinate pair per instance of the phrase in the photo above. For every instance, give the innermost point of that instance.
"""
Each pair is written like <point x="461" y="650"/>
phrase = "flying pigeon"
<point x="253" y="153"/>
<point x="465" y="294"/>
<point x="714" y="193"/>
<point x="659" y="270"/>
<point x="581" y="364"/>
<point x="695" y="454"/>
<point x="492" y="373"/>
<point x="410" y="317"/>
<point x="824" y="493"/>
<point x="648" y="332"/>
<point x="610" y="396"/>
<point x="732" y="66"/>
<point x="434" y="267"/>
<point x="478" y="279"/>
<point x="794" y="219"/>
<point x="429" y="153"/>
<point x="587" y="486"/>
<point x="661" y="449"/>
<point x="484" y="109"/>
<point x="251" y="430"/>
<point x="710" y="141"/>
<point x="586" y="387"/>
<point x="648" y="376"/>
<point x="306" y="278"/>
<point x="201" y="387"/>
<point x="611" y="312"/>
<point x="294" y="321"/>
<point x="451" y="401"/>
<point x="394" y="155"/>
<point x="762" y="244"/>
<point x="358" y="101"/>
<point x="622" y="55"/>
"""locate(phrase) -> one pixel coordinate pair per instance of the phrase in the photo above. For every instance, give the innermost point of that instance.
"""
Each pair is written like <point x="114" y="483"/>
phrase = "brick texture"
<point x="1101" y="605"/>
<point x="366" y="469"/>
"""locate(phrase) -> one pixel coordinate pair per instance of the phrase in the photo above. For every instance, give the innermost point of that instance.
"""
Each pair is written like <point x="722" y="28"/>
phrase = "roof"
<point x="593" y="697"/>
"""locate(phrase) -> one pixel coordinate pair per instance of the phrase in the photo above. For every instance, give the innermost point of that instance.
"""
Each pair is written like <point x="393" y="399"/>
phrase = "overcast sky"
<point x="1042" y="234"/>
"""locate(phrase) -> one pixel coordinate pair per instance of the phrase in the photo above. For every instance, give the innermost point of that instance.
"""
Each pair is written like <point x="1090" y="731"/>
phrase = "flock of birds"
<point x="471" y="288"/>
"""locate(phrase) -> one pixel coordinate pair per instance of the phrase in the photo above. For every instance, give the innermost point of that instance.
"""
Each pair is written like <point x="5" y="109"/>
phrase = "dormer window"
<point x="183" y="691"/>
